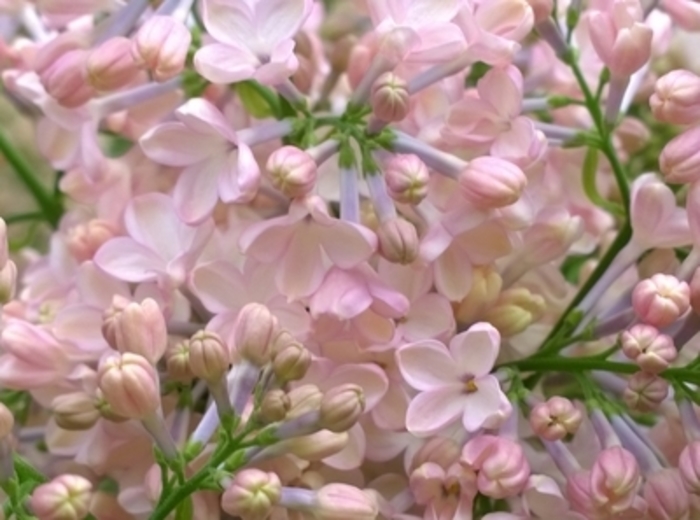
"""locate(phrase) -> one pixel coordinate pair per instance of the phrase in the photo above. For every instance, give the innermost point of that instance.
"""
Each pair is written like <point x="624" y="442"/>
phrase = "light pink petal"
<point x="301" y="270"/>
<point x="435" y="242"/>
<point x="430" y="316"/>
<point x="151" y="220"/>
<point x="196" y="194"/>
<point x="128" y="260"/>
<point x="475" y="350"/>
<point x="282" y="64"/>
<point x="229" y="21"/>
<point x="223" y="64"/>
<point x="482" y="406"/>
<point x="430" y="412"/>
<point x="266" y="241"/>
<point x="201" y="116"/>
<point x="427" y="365"/>
<point x="341" y="294"/>
<point x="387" y="301"/>
<point x="58" y="144"/>
<point x="97" y="288"/>
<point x="239" y="176"/>
<point x="390" y="412"/>
<point x="383" y="445"/>
<point x="421" y="12"/>
<point x="173" y="144"/>
<point x="374" y="328"/>
<point x="220" y="286"/>
<point x="292" y="316"/>
<point x="279" y="20"/>
<point x="502" y="88"/>
<point x="453" y="274"/>
<point x="369" y="376"/>
<point x="438" y="43"/>
<point x="19" y="375"/>
<point x="352" y="456"/>
<point x="347" y="244"/>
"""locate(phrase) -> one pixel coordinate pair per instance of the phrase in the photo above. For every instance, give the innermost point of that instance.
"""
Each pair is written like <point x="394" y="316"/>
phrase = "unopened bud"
<point x="252" y="494"/>
<point x="406" y="178"/>
<point x="485" y="289"/>
<point x="555" y="419"/>
<point x="65" y="79"/>
<point x="111" y="66"/>
<point x="633" y="134"/>
<point x="256" y="328"/>
<point x="161" y="46"/>
<point x="680" y="159"/>
<point x="208" y="356"/>
<point x="645" y="392"/>
<point x="66" y="497"/>
<point x="343" y="502"/>
<point x="8" y="282"/>
<point x="489" y="182"/>
<point x="304" y="398"/>
<point x="676" y="98"/>
<point x="500" y="463"/>
<point x="390" y="98"/>
<point x="177" y="362"/>
<point x="665" y="495"/>
<point x="292" y="171"/>
<point x="7" y="422"/>
<point x="85" y="239"/>
<point x="316" y="446"/>
<point x="341" y="407"/>
<point x="689" y="467"/>
<point x="105" y="409"/>
<point x="661" y="300"/>
<point x="652" y="350"/>
<point x="291" y="363"/>
<point x="274" y="406"/>
<point x="550" y="237"/>
<point x="615" y="479"/>
<point x="75" y="411"/>
<point x="398" y="241"/>
<point x="138" y="328"/>
<point x="515" y="310"/>
<point x="130" y="385"/>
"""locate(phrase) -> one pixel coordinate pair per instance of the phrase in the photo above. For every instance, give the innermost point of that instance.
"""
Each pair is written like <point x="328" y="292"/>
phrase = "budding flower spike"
<point x="350" y="260"/>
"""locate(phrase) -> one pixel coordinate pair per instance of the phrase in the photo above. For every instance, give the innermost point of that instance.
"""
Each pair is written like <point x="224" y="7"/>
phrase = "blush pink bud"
<point x="275" y="406"/>
<point x="676" y="98"/>
<point x="67" y="497"/>
<point x="406" y="177"/>
<point x="541" y="9"/>
<point x="4" y="245"/>
<point x="291" y="363"/>
<point x="645" y="391"/>
<point x="615" y="480"/>
<point x="578" y="492"/>
<point x="292" y="171"/>
<point x="665" y="496"/>
<point x="140" y="328"/>
<point x="680" y="159"/>
<point x="550" y="236"/>
<point x="437" y="450"/>
<point x="689" y="467"/>
<point x="501" y="466"/>
<point x="75" y="411"/>
<point x="256" y="329"/>
<point x="489" y="182"/>
<point x="8" y="281"/>
<point x="7" y="422"/>
<point x="177" y="362"/>
<point x="390" y="98"/>
<point x="344" y="502"/>
<point x="252" y="494"/>
<point x="111" y="66"/>
<point x="661" y="300"/>
<point x="555" y="419"/>
<point x="130" y="385"/>
<point x="161" y="46"/>
<point x="398" y="241"/>
<point x="85" y="239"/>
<point x="65" y="79"/>
<point x="111" y="317"/>
<point x="208" y="356"/>
<point x="341" y="407"/>
<point x="652" y="350"/>
<point x="304" y="398"/>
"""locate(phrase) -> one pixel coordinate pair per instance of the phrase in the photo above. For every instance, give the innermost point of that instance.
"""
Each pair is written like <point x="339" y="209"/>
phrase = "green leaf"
<point x="254" y="99"/>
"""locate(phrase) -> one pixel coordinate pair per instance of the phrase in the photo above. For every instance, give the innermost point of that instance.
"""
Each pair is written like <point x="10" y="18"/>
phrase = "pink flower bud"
<point x="130" y="385"/>
<point x="65" y="79"/>
<point x="555" y="419"/>
<point x="542" y="9"/>
<point x="343" y="502"/>
<point x="685" y="13"/>
<point x="67" y="497"/>
<point x="406" y="178"/>
<point x="111" y="66"/>
<point x="85" y="239"/>
<point x="661" y="300"/>
<point x="489" y="182"/>
<point x="177" y="362"/>
<point x="501" y="466"/>
<point x="676" y="98"/>
<point x="619" y="37"/>
<point x="578" y="492"/>
<point x="390" y="98"/>
<point x="551" y="236"/>
<point x="8" y="281"/>
<point x="7" y="421"/>
<point x="615" y="479"/>
<point x="275" y="406"/>
<point x="398" y="241"/>
<point x="304" y="398"/>
<point x="291" y="363"/>
<point x="75" y="411"/>
<point x="208" y="356"/>
<point x="652" y="351"/>
<point x="292" y="171"/>
<point x="645" y="391"/>
<point x="680" y="159"/>
<point x="256" y="328"/>
<point x="161" y="46"/>
<point x="316" y="446"/>
<point x="665" y="495"/>
<point x="139" y="328"/>
<point x="689" y="467"/>
<point x="4" y="246"/>
<point x="341" y="407"/>
<point x="252" y="494"/>
<point x="438" y="450"/>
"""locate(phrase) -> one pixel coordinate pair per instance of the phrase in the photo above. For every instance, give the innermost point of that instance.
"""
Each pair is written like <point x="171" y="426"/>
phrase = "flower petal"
<point x="346" y="244"/>
<point x="128" y="260"/>
<point x="239" y="176"/>
<point x="223" y="64"/>
<point x="430" y="316"/>
<point x="196" y="194"/>
<point x="427" y="365"/>
<point x="482" y="405"/>
<point x="430" y="412"/>
<point x="301" y="271"/>
<point x="229" y="21"/>
<point x="369" y="376"/>
<point x="475" y="350"/>
<point x="278" y="20"/>
<point x="173" y="144"/>
<point x="219" y="286"/>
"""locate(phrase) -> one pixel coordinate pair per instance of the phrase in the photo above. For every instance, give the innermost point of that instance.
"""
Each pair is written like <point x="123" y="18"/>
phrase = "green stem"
<point x="23" y="217"/>
<point x="50" y="208"/>
<point x="564" y="364"/>
<point x="25" y="471"/>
